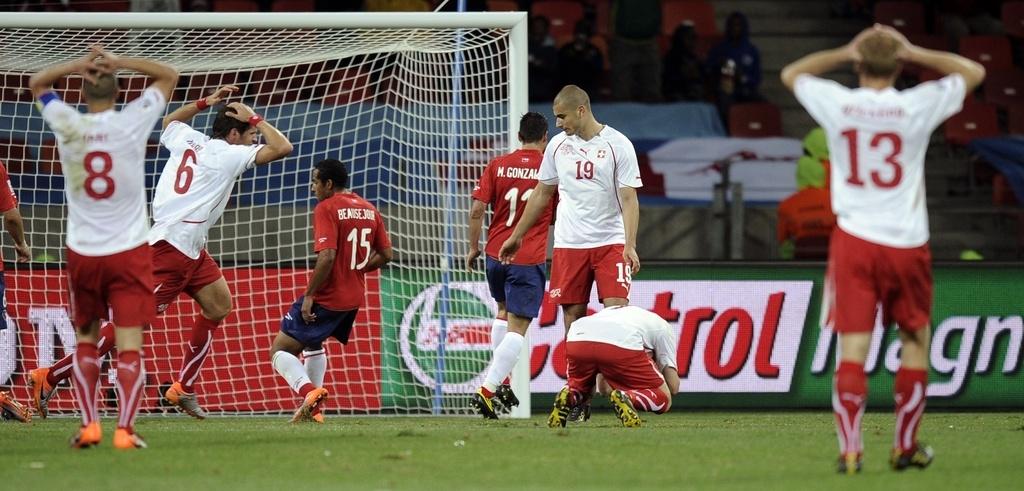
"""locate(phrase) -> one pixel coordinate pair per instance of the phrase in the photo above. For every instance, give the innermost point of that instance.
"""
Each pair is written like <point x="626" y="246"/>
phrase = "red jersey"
<point x="8" y="200"/>
<point x="354" y="228"/>
<point x="506" y="184"/>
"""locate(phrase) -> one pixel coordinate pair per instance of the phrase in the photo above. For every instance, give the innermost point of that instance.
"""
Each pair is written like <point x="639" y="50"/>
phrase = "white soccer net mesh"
<point x="396" y="105"/>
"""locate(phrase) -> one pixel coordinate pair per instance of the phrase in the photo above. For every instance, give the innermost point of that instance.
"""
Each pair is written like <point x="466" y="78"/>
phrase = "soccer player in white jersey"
<point x="877" y="138"/>
<point x="634" y="350"/>
<point x="190" y="197"/>
<point x="595" y="171"/>
<point x="110" y="275"/>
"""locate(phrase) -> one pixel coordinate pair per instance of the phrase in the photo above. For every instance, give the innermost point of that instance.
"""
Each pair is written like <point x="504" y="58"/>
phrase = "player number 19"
<point x="511" y="196"/>
<point x="359" y="238"/>
<point x="625" y="273"/>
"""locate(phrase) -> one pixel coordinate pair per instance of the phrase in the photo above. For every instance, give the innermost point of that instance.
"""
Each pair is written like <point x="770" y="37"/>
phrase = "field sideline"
<point x="683" y="450"/>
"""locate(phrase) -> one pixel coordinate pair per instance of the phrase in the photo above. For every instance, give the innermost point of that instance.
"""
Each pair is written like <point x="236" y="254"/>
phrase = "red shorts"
<point x="117" y="288"/>
<point x="861" y="275"/>
<point x="175" y="273"/>
<point x="574" y="271"/>
<point x="623" y="369"/>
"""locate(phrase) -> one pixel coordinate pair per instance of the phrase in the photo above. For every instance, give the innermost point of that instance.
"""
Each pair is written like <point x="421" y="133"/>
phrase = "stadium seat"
<point x="1005" y="88"/>
<point x="906" y="17"/>
<point x="562" y="14"/>
<point x="347" y="86"/>
<point x="14" y="155"/>
<point x="1013" y="18"/>
<point x="15" y="88"/>
<point x="755" y="120"/>
<point x="236" y="6"/>
<point x="132" y="87"/>
<point x="49" y="158"/>
<point x="929" y="41"/>
<point x="993" y="52"/>
<point x="275" y="85"/>
<point x="70" y="89"/>
<point x="976" y="120"/>
<point x="1016" y="120"/>
<point x="293" y="6"/>
<point x="502" y="5"/>
<point x="697" y="12"/>
<point x="203" y="84"/>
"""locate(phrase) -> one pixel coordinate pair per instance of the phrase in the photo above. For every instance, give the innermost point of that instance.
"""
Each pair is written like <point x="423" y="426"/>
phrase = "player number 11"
<point x="511" y="196"/>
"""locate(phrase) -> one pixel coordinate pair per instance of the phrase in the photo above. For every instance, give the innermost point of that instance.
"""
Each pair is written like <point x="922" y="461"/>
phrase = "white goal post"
<point x="415" y="104"/>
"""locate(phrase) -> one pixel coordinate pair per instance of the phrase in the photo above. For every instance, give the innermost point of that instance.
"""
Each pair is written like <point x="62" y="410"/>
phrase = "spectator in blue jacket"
<point x="735" y="64"/>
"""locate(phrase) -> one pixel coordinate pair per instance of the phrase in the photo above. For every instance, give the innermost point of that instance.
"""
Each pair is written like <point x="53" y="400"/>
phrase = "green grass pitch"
<point x="682" y="450"/>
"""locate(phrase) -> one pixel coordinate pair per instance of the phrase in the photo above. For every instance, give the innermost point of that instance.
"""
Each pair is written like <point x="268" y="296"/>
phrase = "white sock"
<point x="316" y="365"/>
<point x="498" y="329"/>
<point x="291" y="369"/>
<point x="505" y="357"/>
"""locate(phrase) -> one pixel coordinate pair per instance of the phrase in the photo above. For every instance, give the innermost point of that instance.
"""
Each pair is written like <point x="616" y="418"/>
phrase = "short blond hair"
<point x="879" y="55"/>
<point x="104" y="89"/>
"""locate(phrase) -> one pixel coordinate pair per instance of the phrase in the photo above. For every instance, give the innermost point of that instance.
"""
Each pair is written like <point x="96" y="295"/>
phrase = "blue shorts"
<point x="520" y="287"/>
<point x="328" y="323"/>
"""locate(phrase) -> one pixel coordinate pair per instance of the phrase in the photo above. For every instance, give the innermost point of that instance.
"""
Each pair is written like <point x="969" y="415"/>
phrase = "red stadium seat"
<point x="276" y="85"/>
<point x="755" y="120"/>
<point x="993" y="52"/>
<point x="236" y="6"/>
<point x="14" y="155"/>
<point x="70" y="90"/>
<point x="976" y="120"/>
<point x="906" y="17"/>
<point x="563" y="16"/>
<point x="1005" y="88"/>
<point x="929" y="41"/>
<point x="1013" y="18"/>
<point x="202" y="85"/>
<point x="697" y="12"/>
<point x="502" y="5"/>
<point x="49" y="158"/>
<point x="1016" y="120"/>
<point x="293" y="6"/>
<point x="347" y="86"/>
<point x="15" y="88"/>
<point x="132" y="87"/>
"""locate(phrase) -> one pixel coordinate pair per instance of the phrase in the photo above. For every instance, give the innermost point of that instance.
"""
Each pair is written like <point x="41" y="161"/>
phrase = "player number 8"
<point x="103" y="174"/>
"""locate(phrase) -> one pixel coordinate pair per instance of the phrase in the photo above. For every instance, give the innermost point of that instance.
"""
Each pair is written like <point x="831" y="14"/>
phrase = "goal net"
<point x="414" y="104"/>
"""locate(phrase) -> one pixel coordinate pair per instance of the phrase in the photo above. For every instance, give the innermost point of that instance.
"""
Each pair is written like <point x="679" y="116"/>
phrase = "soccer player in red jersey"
<point x="8" y="332"/>
<point x="877" y="139"/>
<point x="518" y="288"/>
<point x="350" y="240"/>
<point x="634" y="350"/>
<point x="110" y="275"/>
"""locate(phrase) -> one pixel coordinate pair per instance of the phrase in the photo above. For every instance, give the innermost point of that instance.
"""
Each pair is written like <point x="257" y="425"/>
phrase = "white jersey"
<point x="628" y="327"/>
<point x="195" y="186"/>
<point x="877" y="142"/>
<point x="588" y="175"/>
<point x="102" y="156"/>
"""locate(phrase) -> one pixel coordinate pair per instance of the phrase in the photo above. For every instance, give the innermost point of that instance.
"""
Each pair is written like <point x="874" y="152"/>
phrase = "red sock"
<point x="650" y="400"/>
<point x="86" y="370"/>
<point x="131" y="376"/>
<point x="909" y="392"/>
<point x="507" y="381"/>
<point x="486" y="392"/>
<point x="196" y="351"/>
<point x="849" y="397"/>
<point x="306" y="389"/>
<point x="61" y="370"/>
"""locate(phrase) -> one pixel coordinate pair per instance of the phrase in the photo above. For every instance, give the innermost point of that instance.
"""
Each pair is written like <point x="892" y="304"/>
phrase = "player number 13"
<point x="895" y="145"/>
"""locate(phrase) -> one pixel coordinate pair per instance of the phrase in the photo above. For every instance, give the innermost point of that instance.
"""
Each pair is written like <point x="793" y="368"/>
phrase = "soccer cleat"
<point x="920" y="458"/>
<point x="185" y="401"/>
<point x="87" y="436"/>
<point x="318" y="418"/>
<point x="580" y="413"/>
<point x="849" y="463"/>
<point x="15" y="409"/>
<point x="624" y="409"/>
<point x="483" y="405"/>
<point x="41" y="390"/>
<point x="126" y="439"/>
<point x="311" y="402"/>
<point x="507" y="397"/>
<point x="562" y="406"/>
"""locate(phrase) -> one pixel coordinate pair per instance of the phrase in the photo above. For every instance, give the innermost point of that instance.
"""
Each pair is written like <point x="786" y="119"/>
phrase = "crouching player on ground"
<point x="350" y="241"/>
<point x="615" y="343"/>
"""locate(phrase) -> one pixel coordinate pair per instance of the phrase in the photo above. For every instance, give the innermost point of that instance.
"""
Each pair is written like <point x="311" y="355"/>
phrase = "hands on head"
<point x="852" y="47"/>
<point x="240" y="111"/>
<point x="218" y="96"/>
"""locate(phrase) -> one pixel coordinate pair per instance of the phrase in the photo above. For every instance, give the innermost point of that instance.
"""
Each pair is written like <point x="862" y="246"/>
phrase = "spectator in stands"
<point x="682" y="76"/>
<point x="580" y="62"/>
<point x="805" y="218"/>
<point x="635" y="59"/>
<point x="961" y="18"/>
<point x="735" y="65"/>
<point x="543" y="60"/>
